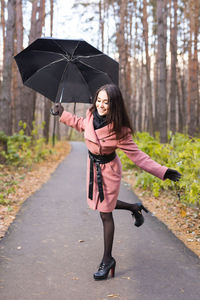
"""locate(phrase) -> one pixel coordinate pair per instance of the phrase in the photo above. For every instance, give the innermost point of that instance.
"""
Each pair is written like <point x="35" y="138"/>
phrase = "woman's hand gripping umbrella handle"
<point x="57" y="110"/>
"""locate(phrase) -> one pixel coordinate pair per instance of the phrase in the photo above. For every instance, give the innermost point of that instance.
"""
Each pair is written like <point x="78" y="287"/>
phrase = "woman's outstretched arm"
<point x="69" y="119"/>
<point x="142" y="160"/>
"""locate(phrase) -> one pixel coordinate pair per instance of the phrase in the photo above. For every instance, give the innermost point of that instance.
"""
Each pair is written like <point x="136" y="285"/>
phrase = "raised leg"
<point x="126" y="206"/>
<point x="135" y="208"/>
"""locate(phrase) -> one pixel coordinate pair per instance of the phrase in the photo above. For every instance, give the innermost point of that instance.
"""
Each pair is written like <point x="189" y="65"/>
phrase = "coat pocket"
<point x="116" y="166"/>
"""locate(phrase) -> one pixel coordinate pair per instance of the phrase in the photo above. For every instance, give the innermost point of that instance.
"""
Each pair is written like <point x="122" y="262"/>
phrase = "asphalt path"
<point x="55" y="244"/>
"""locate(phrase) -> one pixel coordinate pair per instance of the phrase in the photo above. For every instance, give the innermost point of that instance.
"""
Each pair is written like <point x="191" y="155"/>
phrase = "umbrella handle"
<point x="51" y="110"/>
<point x="54" y="113"/>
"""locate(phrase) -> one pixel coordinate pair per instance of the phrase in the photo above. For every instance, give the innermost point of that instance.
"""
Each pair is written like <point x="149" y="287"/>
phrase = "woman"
<point x="106" y="128"/>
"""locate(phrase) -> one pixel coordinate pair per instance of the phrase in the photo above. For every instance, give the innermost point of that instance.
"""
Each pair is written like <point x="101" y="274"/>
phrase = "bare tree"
<point x="37" y="22"/>
<point x="5" y="93"/>
<point x="193" y="89"/>
<point x="2" y="48"/>
<point x="47" y="103"/>
<point x="121" y="10"/>
<point x="161" y="61"/>
<point x="173" y="49"/>
<point x="18" y="86"/>
<point x="101" y="22"/>
<point x="148" y="69"/>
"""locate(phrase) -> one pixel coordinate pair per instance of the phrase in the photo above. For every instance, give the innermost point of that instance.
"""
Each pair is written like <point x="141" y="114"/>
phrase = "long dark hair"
<point x="117" y="113"/>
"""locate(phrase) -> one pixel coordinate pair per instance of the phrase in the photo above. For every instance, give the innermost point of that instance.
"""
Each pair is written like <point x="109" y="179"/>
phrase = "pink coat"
<point x="101" y="142"/>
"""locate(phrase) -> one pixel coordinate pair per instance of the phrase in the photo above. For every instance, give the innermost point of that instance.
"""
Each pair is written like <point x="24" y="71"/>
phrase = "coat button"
<point x="103" y="141"/>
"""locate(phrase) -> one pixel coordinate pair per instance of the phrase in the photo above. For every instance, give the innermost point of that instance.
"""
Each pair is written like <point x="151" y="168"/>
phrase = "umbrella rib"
<point x="62" y="48"/>
<point x="56" y="61"/>
<point x="90" y="56"/>
<point x="94" y="68"/>
<point x="84" y="80"/>
<point x="61" y="81"/>
<point x="41" y="51"/>
<point x="75" y="48"/>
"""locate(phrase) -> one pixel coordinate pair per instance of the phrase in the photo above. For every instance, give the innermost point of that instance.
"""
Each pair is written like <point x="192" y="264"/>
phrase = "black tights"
<point x="108" y="232"/>
<point x="124" y="205"/>
<point x="109" y="228"/>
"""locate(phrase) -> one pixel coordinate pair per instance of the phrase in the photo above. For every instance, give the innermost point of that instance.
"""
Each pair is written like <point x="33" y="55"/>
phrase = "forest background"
<point x="155" y="42"/>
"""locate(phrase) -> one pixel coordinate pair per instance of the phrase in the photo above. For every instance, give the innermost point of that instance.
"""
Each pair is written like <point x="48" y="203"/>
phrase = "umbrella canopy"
<point x="65" y="70"/>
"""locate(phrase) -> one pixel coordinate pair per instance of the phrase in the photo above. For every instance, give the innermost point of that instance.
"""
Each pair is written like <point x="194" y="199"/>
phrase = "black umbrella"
<point x="65" y="70"/>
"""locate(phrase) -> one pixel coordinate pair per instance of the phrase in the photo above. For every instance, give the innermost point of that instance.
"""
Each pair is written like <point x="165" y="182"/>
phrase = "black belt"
<point x="98" y="159"/>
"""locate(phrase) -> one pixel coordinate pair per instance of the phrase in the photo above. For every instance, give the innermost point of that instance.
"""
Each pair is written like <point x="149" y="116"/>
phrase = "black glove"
<point x="57" y="109"/>
<point x="172" y="175"/>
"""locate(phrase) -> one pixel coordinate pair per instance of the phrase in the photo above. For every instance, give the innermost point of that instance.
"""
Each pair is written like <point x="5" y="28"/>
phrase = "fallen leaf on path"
<point x="81" y="241"/>
<point x="183" y="213"/>
<point x="113" y="295"/>
<point x="126" y="278"/>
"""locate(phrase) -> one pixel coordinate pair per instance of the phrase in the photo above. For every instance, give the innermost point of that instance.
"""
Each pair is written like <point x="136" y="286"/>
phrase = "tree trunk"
<point x="135" y="109"/>
<point x="148" y="69"/>
<point x="18" y="98"/>
<point x="121" y="45"/>
<point x="162" y="78"/>
<point x="47" y="103"/>
<point x="2" y="48"/>
<point x="173" y="80"/>
<point x="5" y="93"/>
<point x="180" y="97"/>
<point x="47" y="107"/>
<point x="155" y="89"/>
<point x="37" y="22"/>
<point x="140" y="99"/>
<point x="101" y="22"/>
<point x="51" y="16"/>
<point x="193" y="92"/>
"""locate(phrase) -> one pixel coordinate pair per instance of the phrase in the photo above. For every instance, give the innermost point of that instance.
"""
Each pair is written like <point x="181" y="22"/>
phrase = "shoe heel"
<point x="105" y="269"/>
<point x="112" y="271"/>
<point x="144" y="208"/>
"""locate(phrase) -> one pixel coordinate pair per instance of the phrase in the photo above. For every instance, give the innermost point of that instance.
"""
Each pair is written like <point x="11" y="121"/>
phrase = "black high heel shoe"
<point x="104" y="270"/>
<point x="137" y="214"/>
